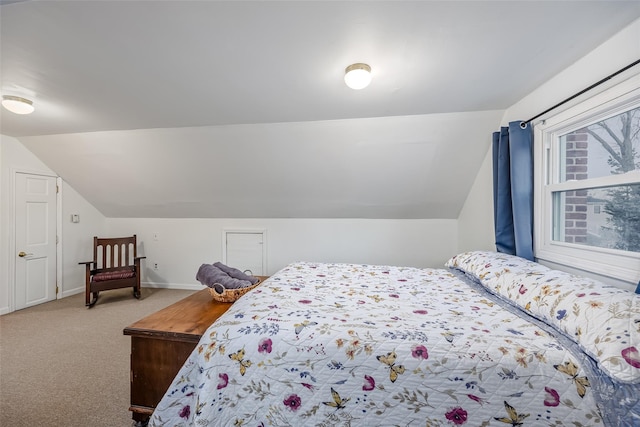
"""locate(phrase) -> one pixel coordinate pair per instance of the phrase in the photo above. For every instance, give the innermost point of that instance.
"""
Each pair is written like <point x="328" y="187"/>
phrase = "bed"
<point x="492" y="340"/>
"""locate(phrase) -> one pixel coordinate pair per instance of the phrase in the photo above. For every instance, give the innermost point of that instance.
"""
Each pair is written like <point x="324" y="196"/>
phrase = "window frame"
<point x="614" y="263"/>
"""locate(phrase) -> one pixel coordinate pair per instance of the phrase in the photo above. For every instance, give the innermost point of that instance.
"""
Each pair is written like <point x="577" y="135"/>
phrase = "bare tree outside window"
<point x="619" y="136"/>
<point x="602" y="217"/>
<point x="622" y="140"/>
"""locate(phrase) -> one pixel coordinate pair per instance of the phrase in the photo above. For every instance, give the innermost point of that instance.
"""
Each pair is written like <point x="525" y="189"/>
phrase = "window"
<point x="587" y="184"/>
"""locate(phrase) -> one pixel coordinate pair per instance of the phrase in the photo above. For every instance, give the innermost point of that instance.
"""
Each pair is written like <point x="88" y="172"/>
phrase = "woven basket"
<point x="231" y="295"/>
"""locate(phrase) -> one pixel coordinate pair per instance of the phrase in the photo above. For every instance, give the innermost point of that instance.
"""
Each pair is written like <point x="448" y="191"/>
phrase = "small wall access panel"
<point x="245" y="250"/>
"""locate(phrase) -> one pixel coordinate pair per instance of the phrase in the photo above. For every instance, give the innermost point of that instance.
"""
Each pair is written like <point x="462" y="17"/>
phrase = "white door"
<point x="35" y="238"/>
<point x="245" y="251"/>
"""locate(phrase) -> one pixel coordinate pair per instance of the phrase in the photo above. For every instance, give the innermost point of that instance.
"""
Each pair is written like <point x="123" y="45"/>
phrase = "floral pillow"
<point x="602" y="319"/>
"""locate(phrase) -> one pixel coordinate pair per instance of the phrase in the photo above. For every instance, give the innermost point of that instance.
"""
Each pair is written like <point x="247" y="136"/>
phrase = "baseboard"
<point x="70" y="292"/>
<point x="177" y="286"/>
<point x="186" y="287"/>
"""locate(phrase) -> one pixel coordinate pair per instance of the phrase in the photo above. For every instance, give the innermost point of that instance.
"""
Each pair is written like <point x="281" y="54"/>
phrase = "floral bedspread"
<point x="600" y="323"/>
<point x="360" y="345"/>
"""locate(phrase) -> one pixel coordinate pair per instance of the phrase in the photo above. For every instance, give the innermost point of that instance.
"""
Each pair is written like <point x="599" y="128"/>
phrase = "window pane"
<point x="601" y="217"/>
<point x="607" y="147"/>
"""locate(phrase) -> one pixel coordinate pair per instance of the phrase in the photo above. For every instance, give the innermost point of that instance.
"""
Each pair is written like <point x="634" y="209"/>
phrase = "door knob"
<point x="23" y="254"/>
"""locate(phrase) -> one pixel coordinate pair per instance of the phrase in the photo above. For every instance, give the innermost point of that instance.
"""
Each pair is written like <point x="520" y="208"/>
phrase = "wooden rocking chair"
<point x="115" y="265"/>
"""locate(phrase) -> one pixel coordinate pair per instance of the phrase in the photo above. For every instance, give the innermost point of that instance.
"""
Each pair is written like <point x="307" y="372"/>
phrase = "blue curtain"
<point x="513" y="190"/>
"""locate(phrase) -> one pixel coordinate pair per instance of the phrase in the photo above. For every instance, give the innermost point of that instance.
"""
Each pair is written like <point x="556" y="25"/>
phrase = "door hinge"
<point x="57" y="189"/>
<point x="56" y="239"/>
<point x="57" y="289"/>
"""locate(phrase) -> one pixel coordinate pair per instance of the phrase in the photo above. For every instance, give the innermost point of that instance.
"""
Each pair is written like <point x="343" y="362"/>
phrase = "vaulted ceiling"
<point x="239" y="109"/>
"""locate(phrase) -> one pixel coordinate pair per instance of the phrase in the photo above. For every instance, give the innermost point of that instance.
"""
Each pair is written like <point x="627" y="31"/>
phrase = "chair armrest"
<point x="136" y="262"/>
<point x="90" y="265"/>
<point x="87" y="274"/>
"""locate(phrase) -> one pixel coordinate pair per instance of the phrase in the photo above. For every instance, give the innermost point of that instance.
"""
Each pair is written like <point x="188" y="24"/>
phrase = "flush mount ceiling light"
<point x="17" y="105"/>
<point x="357" y="76"/>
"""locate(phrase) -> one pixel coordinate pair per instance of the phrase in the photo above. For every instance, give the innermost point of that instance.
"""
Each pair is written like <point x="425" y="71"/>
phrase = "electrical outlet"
<point x="155" y="265"/>
<point x="156" y="236"/>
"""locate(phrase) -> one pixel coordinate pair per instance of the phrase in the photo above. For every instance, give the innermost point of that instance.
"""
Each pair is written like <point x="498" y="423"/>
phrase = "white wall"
<point x="76" y="239"/>
<point x="185" y="244"/>
<point x="475" y="223"/>
<point x="614" y="54"/>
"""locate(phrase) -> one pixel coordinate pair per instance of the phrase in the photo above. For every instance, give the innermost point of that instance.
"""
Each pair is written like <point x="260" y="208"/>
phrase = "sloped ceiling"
<point x="238" y="109"/>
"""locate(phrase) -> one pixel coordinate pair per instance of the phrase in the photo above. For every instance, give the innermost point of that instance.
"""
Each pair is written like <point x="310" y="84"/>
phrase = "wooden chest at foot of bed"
<point x="161" y="343"/>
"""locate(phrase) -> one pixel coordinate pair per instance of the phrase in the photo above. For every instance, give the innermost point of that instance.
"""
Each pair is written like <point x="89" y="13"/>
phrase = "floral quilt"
<point x="322" y="344"/>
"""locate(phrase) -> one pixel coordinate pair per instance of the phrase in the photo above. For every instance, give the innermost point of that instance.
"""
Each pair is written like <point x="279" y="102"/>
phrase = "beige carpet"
<point x="62" y="364"/>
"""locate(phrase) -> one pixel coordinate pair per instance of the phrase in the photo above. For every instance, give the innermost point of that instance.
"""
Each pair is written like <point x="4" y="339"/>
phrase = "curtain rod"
<point x="523" y="124"/>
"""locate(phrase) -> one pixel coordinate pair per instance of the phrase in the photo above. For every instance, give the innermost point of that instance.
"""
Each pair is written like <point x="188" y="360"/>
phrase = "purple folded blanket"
<point x="235" y="273"/>
<point x="209" y="275"/>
